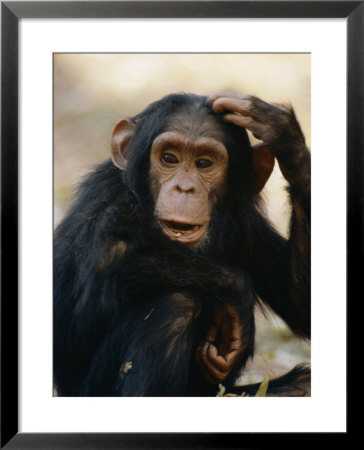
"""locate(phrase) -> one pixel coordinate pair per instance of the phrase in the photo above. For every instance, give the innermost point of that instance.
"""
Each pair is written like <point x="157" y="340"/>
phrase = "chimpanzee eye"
<point x="169" y="158"/>
<point x="204" y="163"/>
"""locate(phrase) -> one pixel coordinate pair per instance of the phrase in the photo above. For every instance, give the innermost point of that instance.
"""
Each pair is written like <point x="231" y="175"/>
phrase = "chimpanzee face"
<point x="188" y="168"/>
<point x="187" y="164"/>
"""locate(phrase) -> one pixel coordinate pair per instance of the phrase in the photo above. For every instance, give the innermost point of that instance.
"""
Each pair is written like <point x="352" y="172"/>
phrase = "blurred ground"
<point x="93" y="91"/>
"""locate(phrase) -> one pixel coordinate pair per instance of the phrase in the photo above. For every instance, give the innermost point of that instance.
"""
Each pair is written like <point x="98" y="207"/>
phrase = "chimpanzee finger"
<point x="213" y="330"/>
<point x="236" y="344"/>
<point x="209" y="371"/>
<point x="212" y="333"/>
<point x="233" y="356"/>
<point x="236" y="326"/>
<point x="235" y="105"/>
<point x="202" y="367"/>
<point x="241" y="121"/>
<point x="214" y="371"/>
<point x="212" y="98"/>
<point x="217" y="360"/>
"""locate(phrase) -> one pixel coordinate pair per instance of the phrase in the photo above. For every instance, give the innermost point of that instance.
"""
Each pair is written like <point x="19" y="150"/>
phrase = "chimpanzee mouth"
<point x="182" y="231"/>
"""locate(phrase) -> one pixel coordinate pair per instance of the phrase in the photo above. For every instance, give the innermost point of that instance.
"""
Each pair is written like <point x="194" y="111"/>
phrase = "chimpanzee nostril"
<point x="188" y="189"/>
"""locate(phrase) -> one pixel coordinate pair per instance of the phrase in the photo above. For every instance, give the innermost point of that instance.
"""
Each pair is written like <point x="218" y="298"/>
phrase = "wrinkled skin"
<point x="187" y="178"/>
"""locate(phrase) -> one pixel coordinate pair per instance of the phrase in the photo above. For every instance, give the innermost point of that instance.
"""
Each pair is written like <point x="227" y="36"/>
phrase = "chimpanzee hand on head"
<point x="274" y="124"/>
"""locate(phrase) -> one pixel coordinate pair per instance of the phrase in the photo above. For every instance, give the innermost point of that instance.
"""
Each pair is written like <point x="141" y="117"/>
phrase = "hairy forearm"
<point x="295" y="164"/>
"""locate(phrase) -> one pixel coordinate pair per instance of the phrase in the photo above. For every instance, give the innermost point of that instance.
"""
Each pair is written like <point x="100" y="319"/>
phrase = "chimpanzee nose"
<point x="185" y="188"/>
<point x="183" y="183"/>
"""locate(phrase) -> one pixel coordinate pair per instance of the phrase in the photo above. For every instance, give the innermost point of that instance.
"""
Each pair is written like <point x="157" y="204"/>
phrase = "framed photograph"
<point x="77" y="78"/>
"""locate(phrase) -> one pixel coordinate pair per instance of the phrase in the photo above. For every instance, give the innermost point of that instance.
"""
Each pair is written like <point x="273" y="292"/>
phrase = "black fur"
<point x="295" y="383"/>
<point x="137" y="302"/>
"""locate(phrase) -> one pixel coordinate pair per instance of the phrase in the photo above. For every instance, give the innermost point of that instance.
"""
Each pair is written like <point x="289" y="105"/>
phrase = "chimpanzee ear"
<point x="263" y="161"/>
<point x="121" y="136"/>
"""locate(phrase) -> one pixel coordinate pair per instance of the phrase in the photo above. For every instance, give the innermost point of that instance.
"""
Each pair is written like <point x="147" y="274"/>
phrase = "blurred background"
<point x="92" y="92"/>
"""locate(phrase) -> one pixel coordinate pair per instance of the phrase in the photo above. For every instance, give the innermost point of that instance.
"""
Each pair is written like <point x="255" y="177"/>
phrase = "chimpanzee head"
<point x="185" y="163"/>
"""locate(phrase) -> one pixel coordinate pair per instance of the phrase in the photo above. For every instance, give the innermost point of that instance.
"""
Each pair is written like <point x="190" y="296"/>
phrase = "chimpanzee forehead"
<point x="195" y="122"/>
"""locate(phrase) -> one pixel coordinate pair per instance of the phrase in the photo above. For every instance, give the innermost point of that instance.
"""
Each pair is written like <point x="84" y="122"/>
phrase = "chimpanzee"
<point x="165" y="253"/>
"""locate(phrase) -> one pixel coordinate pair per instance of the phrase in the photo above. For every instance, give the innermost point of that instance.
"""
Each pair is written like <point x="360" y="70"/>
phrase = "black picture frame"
<point x="11" y="12"/>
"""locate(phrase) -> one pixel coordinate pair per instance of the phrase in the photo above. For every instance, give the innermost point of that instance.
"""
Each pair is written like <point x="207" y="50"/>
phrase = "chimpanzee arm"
<point x="83" y="304"/>
<point x="295" y="163"/>
<point x="286" y="285"/>
<point x="147" y="350"/>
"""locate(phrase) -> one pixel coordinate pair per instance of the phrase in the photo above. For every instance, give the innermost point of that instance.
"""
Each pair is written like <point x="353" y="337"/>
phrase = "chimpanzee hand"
<point x="275" y="125"/>
<point x="216" y="362"/>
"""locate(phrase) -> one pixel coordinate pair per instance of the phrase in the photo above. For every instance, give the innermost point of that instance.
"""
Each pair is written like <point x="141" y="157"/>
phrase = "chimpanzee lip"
<point x="182" y="230"/>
